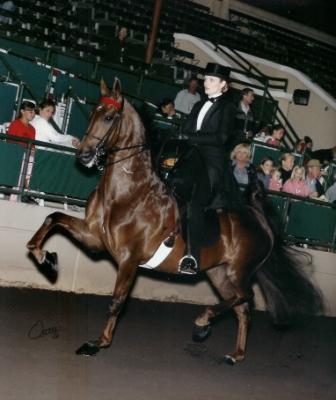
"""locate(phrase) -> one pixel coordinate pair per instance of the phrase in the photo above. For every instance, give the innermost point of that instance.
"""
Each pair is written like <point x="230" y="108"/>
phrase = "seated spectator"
<point x="263" y="133"/>
<point x="278" y="133"/>
<point x="243" y="170"/>
<point x="331" y="193"/>
<point x="167" y="109"/>
<point x="304" y="145"/>
<point x="187" y="98"/>
<point x="297" y="184"/>
<point x="115" y="51"/>
<point x="21" y="126"/>
<point x="45" y="132"/>
<point x="264" y="171"/>
<point x="275" y="181"/>
<point x="316" y="188"/>
<point x="286" y="167"/>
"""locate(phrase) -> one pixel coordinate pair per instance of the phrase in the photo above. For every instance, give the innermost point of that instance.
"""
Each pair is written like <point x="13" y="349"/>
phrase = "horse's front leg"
<point x="125" y="278"/>
<point x="78" y="229"/>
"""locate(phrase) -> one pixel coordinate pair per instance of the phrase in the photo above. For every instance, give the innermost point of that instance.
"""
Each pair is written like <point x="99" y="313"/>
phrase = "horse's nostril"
<point x="84" y="156"/>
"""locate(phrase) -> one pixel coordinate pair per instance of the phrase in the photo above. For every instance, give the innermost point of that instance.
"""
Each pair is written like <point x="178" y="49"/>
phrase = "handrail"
<point x="260" y="76"/>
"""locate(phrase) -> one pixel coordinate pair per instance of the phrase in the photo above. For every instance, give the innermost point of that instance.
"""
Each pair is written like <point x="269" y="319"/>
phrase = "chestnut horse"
<point x="131" y="213"/>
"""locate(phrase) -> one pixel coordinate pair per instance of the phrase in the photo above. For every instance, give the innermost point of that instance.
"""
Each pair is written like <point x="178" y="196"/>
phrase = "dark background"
<point x="318" y="14"/>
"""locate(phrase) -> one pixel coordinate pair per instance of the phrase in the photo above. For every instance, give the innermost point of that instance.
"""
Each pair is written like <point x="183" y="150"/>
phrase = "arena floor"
<point x="152" y="356"/>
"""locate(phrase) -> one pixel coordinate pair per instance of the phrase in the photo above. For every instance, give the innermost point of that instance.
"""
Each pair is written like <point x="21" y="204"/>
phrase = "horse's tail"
<point x="285" y="284"/>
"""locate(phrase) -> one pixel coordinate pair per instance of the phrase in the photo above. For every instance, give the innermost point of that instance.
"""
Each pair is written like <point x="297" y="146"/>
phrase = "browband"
<point x="109" y="100"/>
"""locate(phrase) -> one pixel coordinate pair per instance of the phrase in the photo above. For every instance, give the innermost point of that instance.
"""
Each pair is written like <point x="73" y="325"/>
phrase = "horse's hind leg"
<point x="234" y="297"/>
<point x="77" y="228"/>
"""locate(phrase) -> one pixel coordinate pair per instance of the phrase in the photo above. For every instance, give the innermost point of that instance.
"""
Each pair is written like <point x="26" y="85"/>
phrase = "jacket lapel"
<point x="211" y="110"/>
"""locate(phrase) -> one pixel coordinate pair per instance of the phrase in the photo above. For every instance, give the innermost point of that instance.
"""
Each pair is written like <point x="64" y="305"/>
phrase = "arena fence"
<point x="58" y="178"/>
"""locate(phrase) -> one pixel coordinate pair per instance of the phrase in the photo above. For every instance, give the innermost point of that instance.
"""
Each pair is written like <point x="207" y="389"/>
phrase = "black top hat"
<point x="213" y="69"/>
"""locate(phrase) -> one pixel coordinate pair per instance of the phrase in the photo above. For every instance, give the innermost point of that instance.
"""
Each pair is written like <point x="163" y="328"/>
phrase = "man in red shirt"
<point x="21" y="126"/>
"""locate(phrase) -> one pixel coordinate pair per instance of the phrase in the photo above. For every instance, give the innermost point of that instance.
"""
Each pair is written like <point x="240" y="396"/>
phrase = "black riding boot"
<point x="189" y="264"/>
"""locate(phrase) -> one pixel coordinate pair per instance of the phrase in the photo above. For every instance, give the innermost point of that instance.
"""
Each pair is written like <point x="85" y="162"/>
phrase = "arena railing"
<point x="57" y="178"/>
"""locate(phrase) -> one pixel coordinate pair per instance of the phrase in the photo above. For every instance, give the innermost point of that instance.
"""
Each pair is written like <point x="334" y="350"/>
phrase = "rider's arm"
<point x="225" y="130"/>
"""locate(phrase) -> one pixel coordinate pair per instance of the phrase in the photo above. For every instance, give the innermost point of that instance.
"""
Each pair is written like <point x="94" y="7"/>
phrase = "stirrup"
<point x="188" y="265"/>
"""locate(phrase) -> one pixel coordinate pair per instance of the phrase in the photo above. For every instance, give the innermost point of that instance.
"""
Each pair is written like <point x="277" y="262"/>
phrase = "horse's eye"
<point x="108" y="118"/>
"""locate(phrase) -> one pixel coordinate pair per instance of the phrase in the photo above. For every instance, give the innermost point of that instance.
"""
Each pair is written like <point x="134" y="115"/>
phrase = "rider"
<point x="204" y="169"/>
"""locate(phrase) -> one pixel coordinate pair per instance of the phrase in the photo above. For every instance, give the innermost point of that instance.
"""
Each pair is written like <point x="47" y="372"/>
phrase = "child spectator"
<point x="264" y="171"/>
<point x="278" y="133"/>
<point x="275" y="181"/>
<point x="297" y="184"/>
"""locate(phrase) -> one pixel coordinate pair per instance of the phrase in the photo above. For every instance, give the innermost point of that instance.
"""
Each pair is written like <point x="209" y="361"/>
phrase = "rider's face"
<point x="214" y="85"/>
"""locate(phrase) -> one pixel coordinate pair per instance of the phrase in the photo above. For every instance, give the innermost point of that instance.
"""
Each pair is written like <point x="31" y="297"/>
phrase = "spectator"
<point x="297" y="184"/>
<point x="45" y="132"/>
<point x="245" y="124"/>
<point x="331" y="193"/>
<point x="278" y="133"/>
<point x="21" y="126"/>
<point x="167" y="108"/>
<point x="263" y="133"/>
<point x="275" y="181"/>
<point x="313" y="174"/>
<point x="187" y="98"/>
<point x="286" y="168"/>
<point x="116" y="49"/>
<point x="264" y="171"/>
<point x="243" y="170"/>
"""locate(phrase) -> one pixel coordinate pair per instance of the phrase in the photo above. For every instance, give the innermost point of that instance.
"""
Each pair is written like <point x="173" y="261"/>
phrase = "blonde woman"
<point x="297" y="184"/>
<point x="241" y="165"/>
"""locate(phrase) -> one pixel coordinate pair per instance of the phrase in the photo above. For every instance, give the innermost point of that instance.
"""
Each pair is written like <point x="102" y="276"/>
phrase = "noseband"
<point x="101" y="151"/>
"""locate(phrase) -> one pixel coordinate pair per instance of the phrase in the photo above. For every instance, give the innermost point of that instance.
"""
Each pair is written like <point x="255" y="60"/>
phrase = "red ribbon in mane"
<point x="109" y="100"/>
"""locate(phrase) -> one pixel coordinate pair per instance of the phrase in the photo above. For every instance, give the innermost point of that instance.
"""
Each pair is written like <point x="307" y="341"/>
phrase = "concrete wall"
<point x="81" y="274"/>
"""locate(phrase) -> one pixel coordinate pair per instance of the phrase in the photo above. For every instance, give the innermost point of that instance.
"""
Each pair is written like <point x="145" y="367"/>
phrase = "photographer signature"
<point x="38" y="330"/>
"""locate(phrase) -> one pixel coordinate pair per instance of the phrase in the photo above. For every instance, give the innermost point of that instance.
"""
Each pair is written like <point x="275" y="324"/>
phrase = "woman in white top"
<point x="45" y="132"/>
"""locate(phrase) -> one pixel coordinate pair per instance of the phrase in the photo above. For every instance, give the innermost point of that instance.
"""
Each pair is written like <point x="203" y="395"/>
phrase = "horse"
<point x="131" y="212"/>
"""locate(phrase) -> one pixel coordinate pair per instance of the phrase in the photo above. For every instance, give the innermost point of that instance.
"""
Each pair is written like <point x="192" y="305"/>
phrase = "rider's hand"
<point x="182" y="136"/>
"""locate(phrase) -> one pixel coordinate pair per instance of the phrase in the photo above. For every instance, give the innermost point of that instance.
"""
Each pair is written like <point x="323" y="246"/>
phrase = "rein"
<point x="101" y="151"/>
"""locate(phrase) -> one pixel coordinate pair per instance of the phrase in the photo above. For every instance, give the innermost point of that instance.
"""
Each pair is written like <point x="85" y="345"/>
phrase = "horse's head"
<point x="103" y="129"/>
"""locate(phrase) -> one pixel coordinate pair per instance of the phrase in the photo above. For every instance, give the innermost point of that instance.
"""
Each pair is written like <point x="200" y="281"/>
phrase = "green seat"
<point x="8" y="93"/>
<point x="260" y="151"/>
<point x="60" y="174"/>
<point x="311" y="222"/>
<point x="11" y="156"/>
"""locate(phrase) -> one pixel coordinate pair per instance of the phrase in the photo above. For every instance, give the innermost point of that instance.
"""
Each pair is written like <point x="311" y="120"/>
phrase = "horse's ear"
<point x="116" y="87"/>
<point x="104" y="90"/>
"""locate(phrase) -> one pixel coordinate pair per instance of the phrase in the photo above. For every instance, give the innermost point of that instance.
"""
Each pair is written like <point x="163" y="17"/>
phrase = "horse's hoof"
<point x="88" y="349"/>
<point x="200" y="333"/>
<point x="229" y="360"/>
<point x="49" y="267"/>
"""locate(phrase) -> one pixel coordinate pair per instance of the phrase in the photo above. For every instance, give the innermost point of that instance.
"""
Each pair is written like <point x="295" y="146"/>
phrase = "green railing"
<point x="57" y="177"/>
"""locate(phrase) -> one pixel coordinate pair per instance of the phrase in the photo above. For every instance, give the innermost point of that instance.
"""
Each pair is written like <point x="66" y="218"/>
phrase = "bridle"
<point x="102" y="152"/>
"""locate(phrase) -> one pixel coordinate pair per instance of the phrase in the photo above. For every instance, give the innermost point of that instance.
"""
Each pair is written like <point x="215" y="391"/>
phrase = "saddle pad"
<point x="160" y="255"/>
